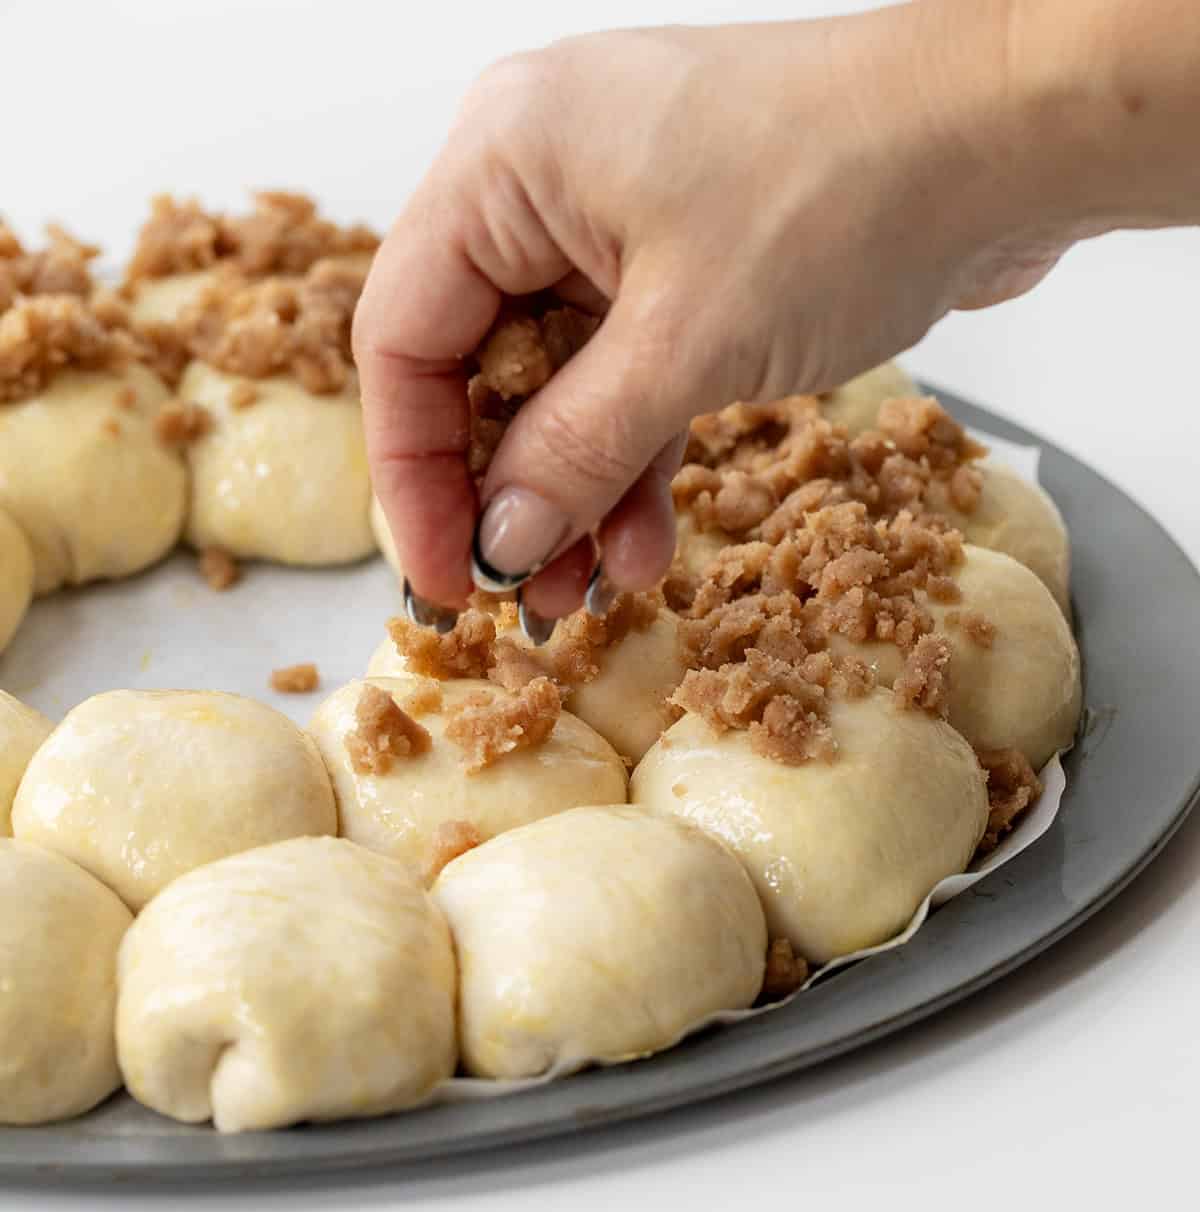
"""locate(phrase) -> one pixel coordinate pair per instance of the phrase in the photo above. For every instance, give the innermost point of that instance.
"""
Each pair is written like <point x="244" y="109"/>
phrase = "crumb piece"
<point x="1012" y="787"/>
<point x="61" y="268"/>
<point x="179" y="423"/>
<point x="111" y="427"/>
<point x="488" y="725"/>
<point x="515" y="667"/>
<point x="785" y="972"/>
<point x="468" y="651"/>
<point x="980" y="630"/>
<point x="219" y="568"/>
<point x="425" y="699"/>
<point x="295" y="679"/>
<point x="574" y="655"/>
<point x="923" y="682"/>
<point x="922" y="429"/>
<point x="384" y="732"/>
<point x="242" y="395"/>
<point x="126" y="399"/>
<point x="450" y="840"/>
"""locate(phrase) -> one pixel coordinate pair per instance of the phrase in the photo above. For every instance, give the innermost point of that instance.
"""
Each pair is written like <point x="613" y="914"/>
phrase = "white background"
<point x="1076" y="1078"/>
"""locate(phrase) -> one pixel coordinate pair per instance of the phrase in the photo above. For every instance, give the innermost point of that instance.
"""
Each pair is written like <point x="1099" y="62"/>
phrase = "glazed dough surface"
<point x="398" y="813"/>
<point x="1023" y="691"/>
<point x="93" y="504"/>
<point x="598" y="934"/>
<point x="59" y="933"/>
<point x="1019" y="519"/>
<point x="22" y="730"/>
<point x="841" y="853"/>
<point x="16" y="578"/>
<point x="305" y="980"/>
<point x="856" y="404"/>
<point x="139" y="786"/>
<point x="284" y="478"/>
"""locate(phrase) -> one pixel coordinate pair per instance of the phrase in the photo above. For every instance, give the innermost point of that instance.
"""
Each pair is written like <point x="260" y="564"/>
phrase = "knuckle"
<point x="587" y="453"/>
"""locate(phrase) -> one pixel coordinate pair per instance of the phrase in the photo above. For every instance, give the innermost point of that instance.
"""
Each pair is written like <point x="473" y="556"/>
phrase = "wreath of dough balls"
<point x="59" y="933"/>
<point x="307" y="980"/>
<point x="138" y="787"/>
<point x="831" y="702"/>
<point x="600" y="934"/>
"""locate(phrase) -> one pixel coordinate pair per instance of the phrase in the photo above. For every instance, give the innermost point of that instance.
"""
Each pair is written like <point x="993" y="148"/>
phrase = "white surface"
<point x="1079" y="1076"/>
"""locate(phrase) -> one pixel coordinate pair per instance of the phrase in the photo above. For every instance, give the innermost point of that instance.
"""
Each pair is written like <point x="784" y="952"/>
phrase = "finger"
<point x="558" y="589"/>
<point x="578" y="446"/>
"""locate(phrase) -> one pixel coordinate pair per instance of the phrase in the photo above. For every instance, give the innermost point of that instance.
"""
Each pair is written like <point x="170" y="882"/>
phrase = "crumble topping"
<point x="384" y="732"/>
<point x="467" y="651"/>
<point x="450" y="839"/>
<point x="488" y="725"/>
<point x="61" y="268"/>
<point x="178" y="423"/>
<point x="1012" y="787"/>
<point x="219" y="569"/>
<point x="425" y="699"/>
<point x="296" y="679"/>
<point x="282" y="234"/>
<point x="924" y="681"/>
<point x="785" y="972"/>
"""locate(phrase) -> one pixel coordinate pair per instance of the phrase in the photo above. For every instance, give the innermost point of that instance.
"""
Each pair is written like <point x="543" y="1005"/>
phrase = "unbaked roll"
<point x="16" y="578"/>
<point x="306" y="980"/>
<point x="59" y="933"/>
<point x="841" y="852"/>
<point x="856" y="404"/>
<point x="600" y="934"/>
<point x="139" y="786"/>
<point x="22" y="730"/>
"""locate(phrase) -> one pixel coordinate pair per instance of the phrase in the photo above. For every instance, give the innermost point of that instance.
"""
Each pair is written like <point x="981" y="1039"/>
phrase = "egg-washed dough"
<point x="95" y="491"/>
<point x="161" y="300"/>
<point x="599" y="934"/>
<point x="626" y="702"/>
<point x="383" y="537"/>
<point x="139" y="786"/>
<point x="841" y="852"/>
<point x="306" y="980"/>
<point x="283" y="478"/>
<point x="1023" y="691"/>
<point x="59" y="933"/>
<point x="16" y="578"/>
<point x="22" y="730"/>
<point x="1018" y="518"/>
<point x="856" y="404"/>
<point x="398" y="813"/>
<point x="695" y="549"/>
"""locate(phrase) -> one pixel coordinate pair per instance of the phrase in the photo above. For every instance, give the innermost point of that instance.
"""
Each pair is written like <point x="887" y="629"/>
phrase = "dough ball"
<point x="162" y="300"/>
<point x="16" y="579"/>
<point x="282" y="478"/>
<point x="1023" y="690"/>
<point x="399" y="812"/>
<point x="22" y="730"/>
<point x="95" y="491"/>
<point x="1019" y="519"/>
<point x="306" y="980"/>
<point x="599" y="934"/>
<point x="383" y="538"/>
<point x="139" y="786"/>
<point x="59" y="933"/>
<point x="841" y="852"/>
<point x="856" y="404"/>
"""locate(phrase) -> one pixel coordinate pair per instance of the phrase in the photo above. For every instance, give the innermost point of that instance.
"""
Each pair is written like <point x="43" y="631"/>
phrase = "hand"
<point x="755" y="211"/>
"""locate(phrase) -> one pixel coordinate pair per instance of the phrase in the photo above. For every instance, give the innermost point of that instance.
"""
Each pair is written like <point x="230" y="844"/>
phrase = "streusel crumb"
<point x="61" y="268"/>
<point x="219" y="569"/>
<point x="179" y="423"/>
<point x="450" y="840"/>
<point x="785" y="972"/>
<point x="488" y="725"/>
<point x="295" y="679"/>
<point x="1012" y="787"/>
<point x="384" y="732"/>
<point x="923" y="683"/>
<point x="468" y="651"/>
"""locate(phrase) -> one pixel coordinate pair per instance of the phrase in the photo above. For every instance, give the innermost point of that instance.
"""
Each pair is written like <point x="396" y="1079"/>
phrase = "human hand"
<point x="755" y="211"/>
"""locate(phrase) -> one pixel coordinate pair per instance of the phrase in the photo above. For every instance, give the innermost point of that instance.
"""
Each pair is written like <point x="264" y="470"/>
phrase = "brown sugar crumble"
<point x="785" y="971"/>
<point x="426" y="698"/>
<point x="295" y="679"/>
<point x="467" y="651"/>
<point x="384" y="732"/>
<point x="242" y="395"/>
<point x="179" y="423"/>
<point x="111" y="427"/>
<point x="1012" y="787"/>
<point x="450" y="840"/>
<point x="924" y="681"/>
<point x="489" y="725"/>
<point x="219" y="569"/>
<point x="61" y="268"/>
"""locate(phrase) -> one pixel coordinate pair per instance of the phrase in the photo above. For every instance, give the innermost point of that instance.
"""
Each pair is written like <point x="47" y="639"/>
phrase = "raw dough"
<point x="856" y="404"/>
<point x="283" y="478"/>
<point x="139" y="786"/>
<point x="398" y="813"/>
<point x="16" y="578"/>
<point x="306" y="980"/>
<point x="93" y="503"/>
<point x="598" y="934"/>
<point x="59" y="933"/>
<point x="22" y="730"/>
<point x="841" y="852"/>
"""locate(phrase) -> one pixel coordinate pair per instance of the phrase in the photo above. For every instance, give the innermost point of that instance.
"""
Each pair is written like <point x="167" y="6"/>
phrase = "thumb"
<point x="576" y="448"/>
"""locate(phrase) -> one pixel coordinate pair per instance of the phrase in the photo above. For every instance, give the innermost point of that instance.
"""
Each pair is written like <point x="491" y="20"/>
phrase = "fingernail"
<point x="516" y="536"/>
<point x="601" y="593"/>
<point x="536" y="629"/>
<point x="426" y="614"/>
